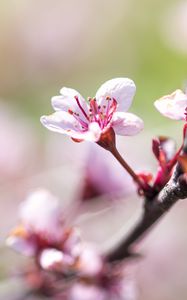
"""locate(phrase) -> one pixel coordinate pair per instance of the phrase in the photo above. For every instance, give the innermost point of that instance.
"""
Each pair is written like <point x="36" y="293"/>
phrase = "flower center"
<point x="102" y="114"/>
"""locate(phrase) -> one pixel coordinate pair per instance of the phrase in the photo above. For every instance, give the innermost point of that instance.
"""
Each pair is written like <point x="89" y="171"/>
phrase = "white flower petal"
<point x="67" y="101"/>
<point x="92" y="134"/>
<point x="73" y="245"/>
<point x="90" y="262"/>
<point x="82" y="291"/>
<point x="173" y="106"/>
<point x="121" y="89"/>
<point x="65" y="123"/>
<point x="61" y="122"/>
<point x="40" y="213"/>
<point x="126" y="123"/>
<point x="51" y="259"/>
<point x="21" y="245"/>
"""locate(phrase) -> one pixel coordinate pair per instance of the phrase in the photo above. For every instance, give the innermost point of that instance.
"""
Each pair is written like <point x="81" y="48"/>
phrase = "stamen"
<point x="108" y="107"/>
<point x="76" y="116"/>
<point x="185" y="114"/>
<point x="110" y="110"/>
<point x="94" y="108"/>
<point x="70" y="111"/>
<point x="81" y="122"/>
<point x="81" y="108"/>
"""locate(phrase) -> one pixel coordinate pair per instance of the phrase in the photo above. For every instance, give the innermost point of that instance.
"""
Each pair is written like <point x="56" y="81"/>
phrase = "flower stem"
<point x="124" y="164"/>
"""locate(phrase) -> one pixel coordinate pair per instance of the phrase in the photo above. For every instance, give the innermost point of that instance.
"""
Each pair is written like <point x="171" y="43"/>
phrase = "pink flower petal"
<point x="81" y="291"/>
<point x="67" y="102"/>
<point x="61" y="122"/>
<point x="92" y="134"/>
<point x="65" y="123"/>
<point x="90" y="262"/>
<point x="126" y="123"/>
<point x="21" y="245"/>
<point x="40" y="213"/>
<point x="73" y="245"/>
<point x="121" y="89"/>
<point x="173" y="106"/>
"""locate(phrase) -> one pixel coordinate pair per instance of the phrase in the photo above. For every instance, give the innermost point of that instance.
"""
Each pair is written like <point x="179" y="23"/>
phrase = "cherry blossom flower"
<point x="43" y="235"/>
<point x="89" y="121"/>
<point x="173" y="106"/>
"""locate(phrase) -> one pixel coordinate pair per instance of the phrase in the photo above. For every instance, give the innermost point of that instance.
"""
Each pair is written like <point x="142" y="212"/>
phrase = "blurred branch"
<point x="154" y="209"/>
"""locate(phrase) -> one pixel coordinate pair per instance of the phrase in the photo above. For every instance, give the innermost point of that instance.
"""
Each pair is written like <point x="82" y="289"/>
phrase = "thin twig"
<point x="126" y="166"/>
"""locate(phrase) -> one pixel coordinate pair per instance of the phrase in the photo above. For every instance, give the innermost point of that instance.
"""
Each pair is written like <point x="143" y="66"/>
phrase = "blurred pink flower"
<point x="81" y="121"/>
<point x="104" y="176"/>
<point x="40" y="213"/>
<point x="173" y="106"/>
<point x="42" y="233"/>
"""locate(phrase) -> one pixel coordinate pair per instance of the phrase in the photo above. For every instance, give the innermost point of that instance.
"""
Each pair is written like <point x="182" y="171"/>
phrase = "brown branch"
<point x="154" y="209"/>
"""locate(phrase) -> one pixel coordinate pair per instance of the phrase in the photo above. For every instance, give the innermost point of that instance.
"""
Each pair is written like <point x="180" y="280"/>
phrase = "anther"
<point x="70" y="111"/>
<point x="185" y="114"/>
<point x="108" y="98"/>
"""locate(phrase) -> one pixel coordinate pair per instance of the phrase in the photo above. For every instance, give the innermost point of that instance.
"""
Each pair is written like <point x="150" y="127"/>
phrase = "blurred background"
<point x="45" y="45"/>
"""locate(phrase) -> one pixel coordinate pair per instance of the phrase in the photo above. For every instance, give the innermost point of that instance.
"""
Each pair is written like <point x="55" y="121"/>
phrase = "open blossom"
<point x="173" y="106"/>
<point x="55" y="247"/>
<point x="42" y="233"/>
<point x="82" y="120"/>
